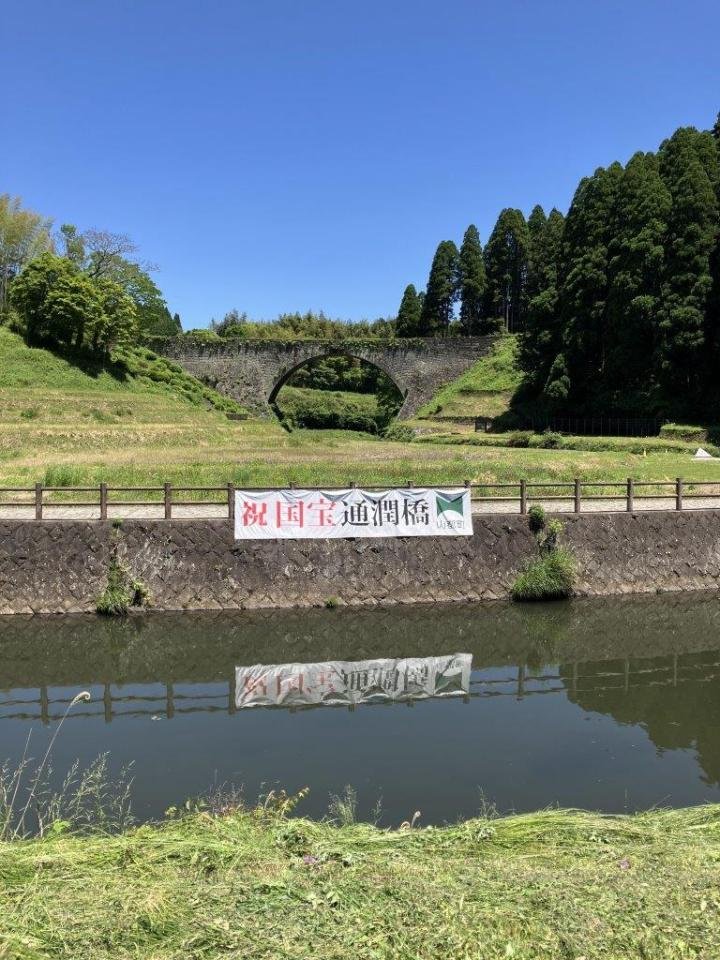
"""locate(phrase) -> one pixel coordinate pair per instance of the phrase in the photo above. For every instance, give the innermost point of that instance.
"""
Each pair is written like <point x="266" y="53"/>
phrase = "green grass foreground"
<point x="555" y="884"/>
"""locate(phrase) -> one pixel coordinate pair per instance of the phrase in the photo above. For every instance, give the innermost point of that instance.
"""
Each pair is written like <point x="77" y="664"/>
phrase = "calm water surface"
<point x="607" y="704"/>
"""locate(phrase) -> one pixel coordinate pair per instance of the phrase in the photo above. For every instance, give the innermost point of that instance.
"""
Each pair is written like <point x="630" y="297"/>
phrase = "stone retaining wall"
<point x="61" y="565"/>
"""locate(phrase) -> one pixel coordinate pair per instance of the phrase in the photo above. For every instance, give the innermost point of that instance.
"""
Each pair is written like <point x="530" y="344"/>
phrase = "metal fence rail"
<point x="163" y="501"/>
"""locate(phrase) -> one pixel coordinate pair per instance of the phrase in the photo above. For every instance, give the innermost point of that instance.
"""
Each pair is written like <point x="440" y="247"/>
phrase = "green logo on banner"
<point x="449" y="504"/>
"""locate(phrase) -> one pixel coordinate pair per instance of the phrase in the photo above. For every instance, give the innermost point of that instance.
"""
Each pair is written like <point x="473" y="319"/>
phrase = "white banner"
<point x="340" y="682"/>
<point x="310" y="514"/>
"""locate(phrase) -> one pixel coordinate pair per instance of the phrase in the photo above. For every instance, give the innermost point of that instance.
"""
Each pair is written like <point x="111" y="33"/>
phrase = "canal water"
<point x="609" y="704"/>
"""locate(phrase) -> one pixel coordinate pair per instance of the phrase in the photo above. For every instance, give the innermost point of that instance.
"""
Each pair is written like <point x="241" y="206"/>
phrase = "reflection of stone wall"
<point x="206" y="646"/>
<point x="61" y="565"/>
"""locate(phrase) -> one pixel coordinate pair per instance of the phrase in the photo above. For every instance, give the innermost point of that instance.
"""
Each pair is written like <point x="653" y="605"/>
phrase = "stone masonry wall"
<point x="252" y="371"/>
<point x="56" y="566"/>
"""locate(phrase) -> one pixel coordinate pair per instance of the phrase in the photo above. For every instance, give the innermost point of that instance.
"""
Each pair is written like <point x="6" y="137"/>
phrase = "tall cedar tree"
<point x="442" y="290"/>
<point x="506" y="256"/>
<point x="541" y="338"/>
<point x="472" y="284"/>
<point x="583" y="288"/>
<point x="713" y="310"/>
<point x="536" y="224"/>
<point x="408" y="318"/>
<point x="636" y="260"/>
<point x="689" y="168"/>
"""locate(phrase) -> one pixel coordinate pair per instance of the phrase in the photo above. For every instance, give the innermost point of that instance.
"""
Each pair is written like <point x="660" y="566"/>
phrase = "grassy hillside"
<point x="65" y="426"/>
<point x="561" y="884"/>
<point x="38" y="384"/>
<point x="483" y="391"/>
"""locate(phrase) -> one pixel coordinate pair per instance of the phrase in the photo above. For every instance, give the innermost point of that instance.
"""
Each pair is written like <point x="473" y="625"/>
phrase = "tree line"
<point x="617" y="304"/>
<point x="493" y="287"/>
<point x="629" y="319"/>
<point x="77" y="290"/>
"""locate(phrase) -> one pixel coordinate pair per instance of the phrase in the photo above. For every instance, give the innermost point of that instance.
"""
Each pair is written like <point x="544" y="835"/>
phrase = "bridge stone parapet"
<point x="253" y="371"/>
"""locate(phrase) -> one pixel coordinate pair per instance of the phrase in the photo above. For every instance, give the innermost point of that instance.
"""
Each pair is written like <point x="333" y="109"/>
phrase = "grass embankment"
<point x="556" y="441"/>
<point x="255" y="885"/>
<point x="61" y="425"/>
<point x="485" y="390"/>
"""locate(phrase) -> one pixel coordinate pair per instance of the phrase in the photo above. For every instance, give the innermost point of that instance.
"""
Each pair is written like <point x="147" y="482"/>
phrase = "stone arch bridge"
<point x="253" y="371"/>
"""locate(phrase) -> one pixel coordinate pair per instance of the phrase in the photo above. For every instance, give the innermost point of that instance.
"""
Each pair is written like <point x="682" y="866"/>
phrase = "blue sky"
<point x="283" y="155"/>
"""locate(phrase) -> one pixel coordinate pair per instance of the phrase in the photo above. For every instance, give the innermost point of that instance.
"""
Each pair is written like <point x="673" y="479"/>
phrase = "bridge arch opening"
<point x="336" y="391"/>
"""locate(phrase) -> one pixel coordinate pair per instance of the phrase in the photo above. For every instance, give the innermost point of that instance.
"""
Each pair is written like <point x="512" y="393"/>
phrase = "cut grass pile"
<point x="483" y="391"/>
<point x="255" y="885"/>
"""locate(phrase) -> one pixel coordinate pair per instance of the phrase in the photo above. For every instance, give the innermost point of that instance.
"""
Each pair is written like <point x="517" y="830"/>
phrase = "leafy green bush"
<point x="329" y="410"/>
<point x="536" y="518"/>
<point x="122" y="592"/>
<point x="399" y="431"/>
<point x="550" y="575"/>
<point x="521" y="438"/>
<point x="547" y="577"/>
<point x="551" y="441"/>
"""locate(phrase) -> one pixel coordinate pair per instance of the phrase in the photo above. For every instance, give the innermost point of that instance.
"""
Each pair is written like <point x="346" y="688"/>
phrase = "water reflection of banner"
<point x="304" y="514"/>
<point x="338" y="682"/>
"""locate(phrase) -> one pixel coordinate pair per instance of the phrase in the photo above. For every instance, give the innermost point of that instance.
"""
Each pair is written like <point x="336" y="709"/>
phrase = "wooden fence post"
<point x="523" y="497"/>
<point x="167" y="489"/>
<point x="630" y="505"/>
<point x="679" y="494"/>
<point x="38" y="501"/>
<point x="231" y="501"/>
<point x="103" y="501"/>
<point x="577" y="496"/>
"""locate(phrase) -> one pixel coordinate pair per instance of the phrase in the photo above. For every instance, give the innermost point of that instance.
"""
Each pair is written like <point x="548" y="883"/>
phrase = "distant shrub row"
<point x="557" y="441"/>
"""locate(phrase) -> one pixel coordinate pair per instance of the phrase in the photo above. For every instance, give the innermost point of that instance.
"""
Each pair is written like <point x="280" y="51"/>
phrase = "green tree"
<point x="442" y="290"/>
<point x="506" y="266"/>
<point x="713" y="308"/>
<point x="73" y="244"/>
<point x="583" y="287"/>
<point x="472" y="284"/>
<point x="103" y="255"/>
<point x="55" y="301"/>
<point x="541" y="339"/>
<point x="117" y="324"/>
<point x="153" y="316"/>
<point x="636" y="259"/>
<point x="72" y="309"/>
<point x="31" y="289"/>
<point x="408" y="318"/>
<point x="59" y="304"/>
<point x="24" y="235"/>
<point x="689" y="169"/>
